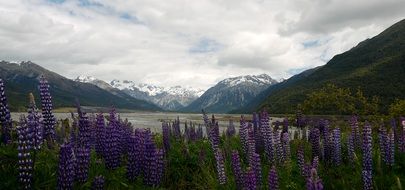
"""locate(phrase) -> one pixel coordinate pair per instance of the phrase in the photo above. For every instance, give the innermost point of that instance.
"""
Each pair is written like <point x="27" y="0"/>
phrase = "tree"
<point x="397" y="108"/>
<point x="331" y="99"/>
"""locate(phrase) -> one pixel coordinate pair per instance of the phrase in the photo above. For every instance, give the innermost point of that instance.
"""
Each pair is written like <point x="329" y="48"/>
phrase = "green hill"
<point x="376" y="66"/>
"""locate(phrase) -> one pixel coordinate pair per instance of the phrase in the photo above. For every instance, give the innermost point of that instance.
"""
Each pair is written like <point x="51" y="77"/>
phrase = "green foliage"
<point x="397" y="108"/>
<point x="331" y="99"/>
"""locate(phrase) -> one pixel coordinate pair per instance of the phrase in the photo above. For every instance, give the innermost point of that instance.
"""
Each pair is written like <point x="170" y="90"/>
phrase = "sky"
<point x="193" y="43"/>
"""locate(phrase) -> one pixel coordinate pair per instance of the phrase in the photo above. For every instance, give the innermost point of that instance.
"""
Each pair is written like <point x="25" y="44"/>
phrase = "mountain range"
<point x="23" y="78"/>
<point x="227" y="95"/>
<point x="168" y="98"/>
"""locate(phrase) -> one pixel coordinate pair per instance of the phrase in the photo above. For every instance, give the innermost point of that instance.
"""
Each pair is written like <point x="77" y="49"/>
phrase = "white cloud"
<point x="190" y="43"/>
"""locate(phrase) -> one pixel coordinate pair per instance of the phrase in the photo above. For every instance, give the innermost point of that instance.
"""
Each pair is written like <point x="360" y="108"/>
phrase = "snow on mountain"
<point x="85" y="79"/>
<point x="262" y="79"/>
<point x="169" y="98"/>
<point x="153" y="90"/>
<point x="231" y="93"/>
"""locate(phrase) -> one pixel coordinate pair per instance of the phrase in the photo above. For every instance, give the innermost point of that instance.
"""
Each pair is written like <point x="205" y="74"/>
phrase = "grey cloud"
<point x="193" y="43"/>
<point x="328" y="16"/>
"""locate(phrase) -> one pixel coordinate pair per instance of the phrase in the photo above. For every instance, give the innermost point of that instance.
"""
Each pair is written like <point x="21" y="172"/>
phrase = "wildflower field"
<point x="104" y="151"/>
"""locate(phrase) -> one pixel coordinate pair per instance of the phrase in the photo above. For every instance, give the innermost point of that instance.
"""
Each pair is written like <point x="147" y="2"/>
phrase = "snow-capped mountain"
<point x="231" y="93"/>
<point x="169" y="98"/>
<point x="100" y="83"/>
<point x="153" y="90"/>
<point x="260" y="80"/>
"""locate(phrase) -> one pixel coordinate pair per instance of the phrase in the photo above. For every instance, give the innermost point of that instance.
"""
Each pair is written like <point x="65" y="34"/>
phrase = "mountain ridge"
<point x="23" y="78"/>
<point x="168" y="98"/>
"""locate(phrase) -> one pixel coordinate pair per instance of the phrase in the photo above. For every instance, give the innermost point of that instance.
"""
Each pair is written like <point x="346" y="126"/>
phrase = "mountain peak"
<point x="262" y="79"/>
<point x="231" y="93"/>
<point x="85" y="79"/>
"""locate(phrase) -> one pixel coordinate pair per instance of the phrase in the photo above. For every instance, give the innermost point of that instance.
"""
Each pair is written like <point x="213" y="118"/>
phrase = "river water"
<point x="153" y="120"/>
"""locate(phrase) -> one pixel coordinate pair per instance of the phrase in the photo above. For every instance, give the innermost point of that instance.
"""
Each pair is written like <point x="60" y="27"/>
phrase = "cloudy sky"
<point x="187" y="42"/>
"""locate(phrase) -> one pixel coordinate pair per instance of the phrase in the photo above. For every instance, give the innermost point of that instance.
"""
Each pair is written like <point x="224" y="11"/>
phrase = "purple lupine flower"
<point x="230" y="130"/>
<point x="301" y="159"/>
<point x="100" y="131"/>
<point x="34" y="125"/>
<point x="205" y="117"/>
<point x="273" y="179"/>
<point x="93" y="130"/>
<point x="355" y="131"/>
<point x="313" y="182"/>
<point x="149" y="160"/>
<point x="125" y="135"/>
<point x="314" y="139"/>
<point x="136" y="153"/>
<point x="395" y="129"/>
<point x="307" y="170"/>
<point x="213" y="136"/>
<point x="251" y="143"/>
<point x="258" y="136"/>
<point x="337" y="155"/>
<point x="207" y="122"/>
<point x="160" y="167"/>
<point x="49" y="120"/>
<point x="84" y="127"/>
<point x="315" y="162"/>
<point x="250" y="180"/>
<point x="166" y="136"/>
<point x="402" y="137"/>
<point x="367" y="157"/>
<point x="112" y="142"/>
<point x="82" y="164"/>
<point x="268" y="136"/>
<point x="5" y="117"/>
<point x="191" y="133"/>
<point x="286" y="147"/>
<point x="98" y="183"/>
<point x="244" y="135"/>
<point x="350" y="148"/>
<point x="278" y="147"/>
<point x="134" y="163"/>
<point x="25" y="163"/>
<point x="327" y="143"/>
<point x="390" y="149"/>
<point x="66" y="167"/>
<point x="237" y="169"/>
<point x="382" y="140"/>
<point x="220" y="165"/>
<point x="256" y="166"/>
